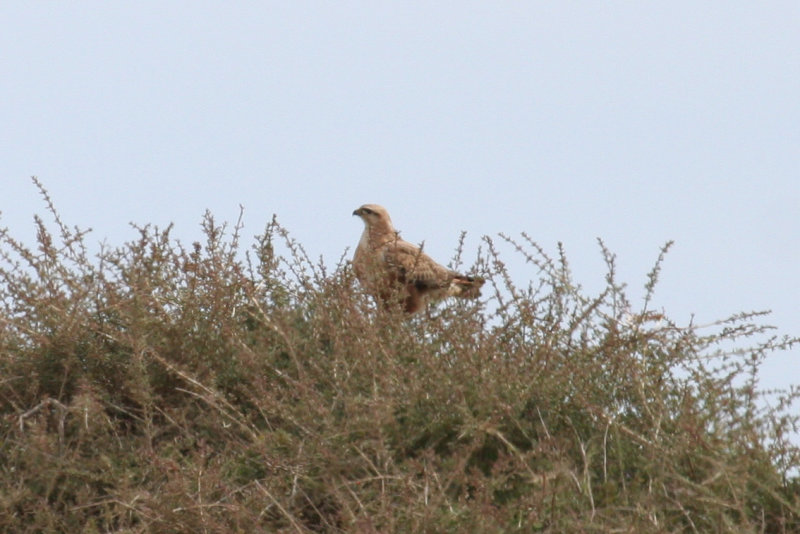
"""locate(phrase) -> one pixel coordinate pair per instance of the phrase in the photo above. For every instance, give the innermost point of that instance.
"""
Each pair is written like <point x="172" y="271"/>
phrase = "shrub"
<point x="156" y="388"/>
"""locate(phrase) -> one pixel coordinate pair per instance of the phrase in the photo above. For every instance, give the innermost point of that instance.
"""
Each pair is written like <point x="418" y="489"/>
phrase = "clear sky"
<point x="636" y="122"/>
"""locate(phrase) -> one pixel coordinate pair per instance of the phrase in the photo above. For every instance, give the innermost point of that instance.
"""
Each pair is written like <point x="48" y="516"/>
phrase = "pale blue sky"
<point x="637" y="122"/>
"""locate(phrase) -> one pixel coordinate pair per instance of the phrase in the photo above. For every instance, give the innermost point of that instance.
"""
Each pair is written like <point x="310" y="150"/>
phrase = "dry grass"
<point x="156" y="388"/>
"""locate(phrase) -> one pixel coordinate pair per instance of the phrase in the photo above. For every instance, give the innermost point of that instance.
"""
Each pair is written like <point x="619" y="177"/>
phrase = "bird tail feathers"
<point x="466" y="287"/>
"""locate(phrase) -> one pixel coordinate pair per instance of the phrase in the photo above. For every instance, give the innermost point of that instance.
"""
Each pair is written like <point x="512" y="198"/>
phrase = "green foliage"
<point x="156" y="388"/>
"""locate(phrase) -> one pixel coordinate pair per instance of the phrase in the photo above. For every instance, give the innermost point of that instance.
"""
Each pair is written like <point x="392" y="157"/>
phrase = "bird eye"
<point x="368" y="211"/>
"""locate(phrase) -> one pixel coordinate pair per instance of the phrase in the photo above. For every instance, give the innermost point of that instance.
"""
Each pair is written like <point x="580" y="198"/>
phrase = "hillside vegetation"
<point x="216" y="387"/>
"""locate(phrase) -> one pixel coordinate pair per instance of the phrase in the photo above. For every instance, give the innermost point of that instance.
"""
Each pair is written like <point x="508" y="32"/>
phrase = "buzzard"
<point x="390" y="268"/>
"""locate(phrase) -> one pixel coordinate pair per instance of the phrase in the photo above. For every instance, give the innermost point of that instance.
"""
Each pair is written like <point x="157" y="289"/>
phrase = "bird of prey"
<point x="394" y="270"/>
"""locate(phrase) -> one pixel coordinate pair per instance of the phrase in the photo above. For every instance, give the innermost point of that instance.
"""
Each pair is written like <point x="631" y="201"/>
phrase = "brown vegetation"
<point x="157" y="388"/>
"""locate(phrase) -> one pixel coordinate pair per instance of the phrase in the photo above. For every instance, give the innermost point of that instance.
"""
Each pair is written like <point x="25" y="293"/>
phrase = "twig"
<point x="289" y="516"/>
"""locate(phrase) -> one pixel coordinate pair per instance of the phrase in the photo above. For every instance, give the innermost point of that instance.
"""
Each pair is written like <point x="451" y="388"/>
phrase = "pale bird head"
<point x="373" y="215"/>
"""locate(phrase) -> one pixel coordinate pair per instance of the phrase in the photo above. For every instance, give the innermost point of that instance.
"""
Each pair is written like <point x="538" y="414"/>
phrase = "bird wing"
<point x="412" y="266"/>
